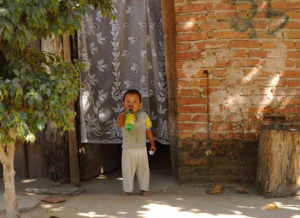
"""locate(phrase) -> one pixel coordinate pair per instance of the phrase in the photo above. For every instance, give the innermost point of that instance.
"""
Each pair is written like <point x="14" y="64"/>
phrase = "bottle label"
<point x="129" y="121"/>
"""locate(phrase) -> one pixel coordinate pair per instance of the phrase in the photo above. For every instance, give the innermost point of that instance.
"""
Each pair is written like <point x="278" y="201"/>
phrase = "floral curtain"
<point x="121" y="54"/>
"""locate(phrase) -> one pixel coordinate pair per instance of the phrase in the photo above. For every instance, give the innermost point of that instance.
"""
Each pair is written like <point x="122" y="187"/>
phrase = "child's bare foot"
<point x="144" y="193"/>
<point x="125" y="194"/>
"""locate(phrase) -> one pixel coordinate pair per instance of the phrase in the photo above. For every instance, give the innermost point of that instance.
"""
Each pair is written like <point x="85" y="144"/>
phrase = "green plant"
<point x="35" y="87"/>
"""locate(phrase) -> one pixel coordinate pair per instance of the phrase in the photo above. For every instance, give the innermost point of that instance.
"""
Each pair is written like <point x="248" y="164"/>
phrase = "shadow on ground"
<point x="101" y="198"/>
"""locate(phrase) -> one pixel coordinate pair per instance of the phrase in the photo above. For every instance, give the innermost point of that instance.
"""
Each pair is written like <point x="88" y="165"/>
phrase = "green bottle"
<point x="129" y="120"/>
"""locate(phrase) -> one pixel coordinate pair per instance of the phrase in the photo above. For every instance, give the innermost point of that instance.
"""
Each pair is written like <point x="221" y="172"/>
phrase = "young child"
<point x="134" y="150"/>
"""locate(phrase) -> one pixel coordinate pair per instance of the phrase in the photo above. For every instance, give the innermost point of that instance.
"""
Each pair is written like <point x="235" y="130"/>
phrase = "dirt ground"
<point x="101" y="197"/>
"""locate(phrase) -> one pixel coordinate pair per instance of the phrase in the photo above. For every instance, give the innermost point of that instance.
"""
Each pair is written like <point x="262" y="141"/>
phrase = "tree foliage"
<point x="37" y="87"/>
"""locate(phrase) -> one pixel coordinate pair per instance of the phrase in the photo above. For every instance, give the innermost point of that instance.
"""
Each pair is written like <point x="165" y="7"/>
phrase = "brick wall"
<point x="251" y="53"/>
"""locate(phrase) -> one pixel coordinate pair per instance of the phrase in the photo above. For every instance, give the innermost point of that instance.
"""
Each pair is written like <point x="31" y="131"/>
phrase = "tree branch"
<point x="3" y="157"/>
<point x="11" y="147"/>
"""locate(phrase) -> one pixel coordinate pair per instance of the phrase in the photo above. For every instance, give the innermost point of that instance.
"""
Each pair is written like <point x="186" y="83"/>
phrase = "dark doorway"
<point x="97" y="157"/>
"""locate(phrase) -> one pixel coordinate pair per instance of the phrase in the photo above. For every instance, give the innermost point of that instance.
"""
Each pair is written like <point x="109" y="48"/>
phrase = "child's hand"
<point x="153" y="148"/>
<point x="126" y="109"/>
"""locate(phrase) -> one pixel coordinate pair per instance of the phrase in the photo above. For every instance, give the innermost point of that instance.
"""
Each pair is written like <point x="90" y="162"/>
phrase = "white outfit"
<point x="134" y="154"/>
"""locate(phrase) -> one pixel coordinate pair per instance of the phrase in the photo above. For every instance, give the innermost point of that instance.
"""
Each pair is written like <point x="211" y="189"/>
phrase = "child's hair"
<point x="132" y="91"/>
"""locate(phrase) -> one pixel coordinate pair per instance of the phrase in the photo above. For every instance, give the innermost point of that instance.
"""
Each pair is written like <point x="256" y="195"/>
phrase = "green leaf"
<point x="30" y="101"/>
<point x="2" y="107"/>
<point x="42" y="87"/>
<point x="36" y="87"/>
<point x="30" y="137"/>
<point x="3" y="12"/>
<point x="23" y="115"/>
<point x="40" y="125"/>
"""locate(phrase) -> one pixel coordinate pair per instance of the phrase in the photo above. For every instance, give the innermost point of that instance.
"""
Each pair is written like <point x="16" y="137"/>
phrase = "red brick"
<point x="279" y="5"/>
<point x="216" y="136"/>
<point x="286" y="5"/>
<point x="221" y="64"/>
<point x="251" y="136"/>
<point x="222" y="127"/>
<point x="253" y="118"/>
<point x="245" y="6"/>
<point x="234" y="136"/>
<point x="187" y="27"/>
<point x="291" y="74"/>
<point x="214" y="35"/>
<point x="190" y="74"/>
<point x="289" y="63"/>
<point x="260" y="34"/>
<point x="201" y="45"/>
<point x="253" y="127"/>
<point x="264" y="110"/>
<point x="209" y="6"/>
<point x="265" y="82"/>
<point x="188" y="92"/>
<point x="218" y="73"/>
<point x="230" y="118"/>
<point x="188" y="55"/>
<point x="292" y="35"/>
<point x="294" y="14"/>
<point x="292" y="25"/>
<point x="215" y="44"/>
<point x="185" y="134"/>
<point x="183" y="46"/>
<point x="231" y="35"/>
<point x="268" y="45"/>
<point x="189" y="8"/>
<point x="198" y="83"/>
<point x="211" y="15"/>
<point x="257" y="53"/>
<point x="260" y="24"/>
<point x="215" y="26"/>
<point x="180" y="73"/>
<point x="180" y="64"/>
<point x="183" y="83"/>
<point x="217" y="118"/>
<point x="265" y="73"/>
<point x="291" y="101"/>
<point x="190" y="109"/>
<point x="191" y="101"/>
<point x="211" y="34"/>
<point x="240" y="53"/>
<point x="184" y="117"/>
<point x="293" y="54"/>
<point x="253" y="62"/>
<point x="225" y="14"/>
<point x="203" y="82"/>
<point x="238" y="63"/>
<point x="190" y="126"/>
<point x="191" y="37"/>
<point x="223" y="6"/>
<point x="260" y="14"/>
<point x="200" y="136"/>
<point x="294" y="83"/>
<point x="288" y="110"/>
<point x="285" y="91"/>
<point x="190" y="18"/>
<point x="197" y="162"/>
<point x="200" y="118"/>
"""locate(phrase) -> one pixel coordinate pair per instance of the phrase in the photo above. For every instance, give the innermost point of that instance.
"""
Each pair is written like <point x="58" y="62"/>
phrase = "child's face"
<point x="132" y="101"/>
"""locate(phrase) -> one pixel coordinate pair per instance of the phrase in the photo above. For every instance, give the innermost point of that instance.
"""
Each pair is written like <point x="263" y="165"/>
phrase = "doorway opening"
<point x="100" y="148"/>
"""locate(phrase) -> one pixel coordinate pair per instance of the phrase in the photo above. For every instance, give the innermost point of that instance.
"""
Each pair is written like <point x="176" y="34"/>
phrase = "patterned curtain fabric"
<point x="121" y="54"/>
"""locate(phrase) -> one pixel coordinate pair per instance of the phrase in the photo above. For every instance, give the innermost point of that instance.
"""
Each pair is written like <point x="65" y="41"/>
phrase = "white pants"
<point x="135" y="160"/>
